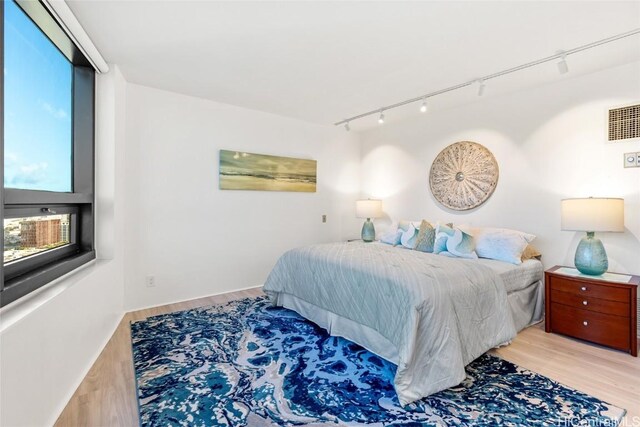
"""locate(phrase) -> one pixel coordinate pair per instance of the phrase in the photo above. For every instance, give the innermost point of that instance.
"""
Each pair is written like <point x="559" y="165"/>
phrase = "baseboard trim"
<point x="131" y="310"/>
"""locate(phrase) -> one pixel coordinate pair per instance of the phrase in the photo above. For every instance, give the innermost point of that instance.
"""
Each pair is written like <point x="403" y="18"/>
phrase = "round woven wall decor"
<point x="463" y="176"/>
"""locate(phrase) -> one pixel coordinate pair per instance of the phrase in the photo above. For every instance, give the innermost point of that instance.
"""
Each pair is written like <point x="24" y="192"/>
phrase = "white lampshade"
<point x="368" y="208"/>
<point x="593" y="214"/>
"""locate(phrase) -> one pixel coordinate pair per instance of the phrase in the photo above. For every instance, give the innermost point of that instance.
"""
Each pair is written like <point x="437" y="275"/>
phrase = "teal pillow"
<point x="426" y="237"/>
<point x="408" y="238"/>
<point x="443" y="232"/>
<point x="454" y="241"/>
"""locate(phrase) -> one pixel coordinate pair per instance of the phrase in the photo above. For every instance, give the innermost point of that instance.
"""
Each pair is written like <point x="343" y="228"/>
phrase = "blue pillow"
<point x="443" y="232"/>
<point x="408" y="238"/>
<point x="454" y="241"/>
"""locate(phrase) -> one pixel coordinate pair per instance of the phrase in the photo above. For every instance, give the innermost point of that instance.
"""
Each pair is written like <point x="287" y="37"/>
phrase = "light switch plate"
<point x="632" y="160"/>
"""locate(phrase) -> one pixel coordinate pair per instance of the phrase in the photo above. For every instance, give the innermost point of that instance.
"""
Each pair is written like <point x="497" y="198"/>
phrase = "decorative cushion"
<point x="454" y="241"/>
<point x="391" y="237"/>
<point x="501" y="244"/>
<point x="426" y="237"/>
<point x="531" y="252"/>
<point x="408" y="238"/>
<point x="443" y="232"/>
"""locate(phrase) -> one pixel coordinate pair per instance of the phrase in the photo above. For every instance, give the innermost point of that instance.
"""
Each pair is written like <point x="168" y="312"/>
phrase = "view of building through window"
<point x="32" y="235"/>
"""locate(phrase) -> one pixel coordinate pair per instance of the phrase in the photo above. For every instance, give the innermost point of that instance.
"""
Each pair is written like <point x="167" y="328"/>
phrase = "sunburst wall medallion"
<point x="463" y="176"/>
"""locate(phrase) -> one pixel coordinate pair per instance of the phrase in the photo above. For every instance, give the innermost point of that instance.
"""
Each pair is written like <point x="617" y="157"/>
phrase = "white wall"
<point x="49" y="340"/>
<point x="549" y="143"/>
<point x="198" y="240"/>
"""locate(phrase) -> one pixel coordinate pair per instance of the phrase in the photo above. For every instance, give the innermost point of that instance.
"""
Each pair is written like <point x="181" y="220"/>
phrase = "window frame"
<point x="20" y="277"/>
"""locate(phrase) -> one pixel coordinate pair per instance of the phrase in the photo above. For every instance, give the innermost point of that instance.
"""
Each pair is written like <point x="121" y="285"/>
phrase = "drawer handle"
<point x="584" y="303"/>
<point x="585" y="323"/>
<point x="584" y="288"/>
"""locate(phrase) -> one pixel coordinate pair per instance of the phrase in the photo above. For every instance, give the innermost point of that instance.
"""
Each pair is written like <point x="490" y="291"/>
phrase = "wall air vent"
<point x="624" y="123"/>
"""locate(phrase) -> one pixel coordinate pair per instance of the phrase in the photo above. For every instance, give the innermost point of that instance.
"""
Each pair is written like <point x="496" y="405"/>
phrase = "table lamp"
<point x="591" y="215"/>
<point x="368" y="209"/>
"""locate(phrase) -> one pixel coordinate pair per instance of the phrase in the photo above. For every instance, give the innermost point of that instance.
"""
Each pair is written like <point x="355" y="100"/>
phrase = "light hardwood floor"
<point x="106" y="397"/>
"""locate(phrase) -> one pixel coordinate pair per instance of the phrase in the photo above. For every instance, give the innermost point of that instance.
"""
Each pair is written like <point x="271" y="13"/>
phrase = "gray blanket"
<point x="441" y="313"/>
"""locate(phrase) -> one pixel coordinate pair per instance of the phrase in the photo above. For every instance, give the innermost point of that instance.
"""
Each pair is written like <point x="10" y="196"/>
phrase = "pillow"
<point x="531" y="252"/>
<point x="426" y="237"/>
<point x="408" y="238"/>
<point x="454" y="242"/>
<point x="404" y="225"/>
<point x="391" y="237"/>
<point x="443" y="232"/>
<point x="501" y="244"/>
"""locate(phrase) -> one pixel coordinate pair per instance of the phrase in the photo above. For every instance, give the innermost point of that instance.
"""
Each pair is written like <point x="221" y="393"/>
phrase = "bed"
<point x="431" y="315"/>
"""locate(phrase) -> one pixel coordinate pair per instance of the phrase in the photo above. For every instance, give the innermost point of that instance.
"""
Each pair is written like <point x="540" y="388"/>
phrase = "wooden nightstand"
<point x="600" y="311"/>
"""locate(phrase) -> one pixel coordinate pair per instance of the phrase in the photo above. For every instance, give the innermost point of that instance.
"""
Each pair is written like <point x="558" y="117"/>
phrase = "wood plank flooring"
<point x="107" y="395"/>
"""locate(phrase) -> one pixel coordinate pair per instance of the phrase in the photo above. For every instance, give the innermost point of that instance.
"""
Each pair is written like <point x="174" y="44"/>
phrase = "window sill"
<point x="32" y="280"/>
<point x="13" y="312"/>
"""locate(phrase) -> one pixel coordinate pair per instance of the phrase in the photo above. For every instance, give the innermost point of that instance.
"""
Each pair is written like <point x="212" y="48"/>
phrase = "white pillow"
<point x="391" y="237"/>
<point x="501" y="244"/>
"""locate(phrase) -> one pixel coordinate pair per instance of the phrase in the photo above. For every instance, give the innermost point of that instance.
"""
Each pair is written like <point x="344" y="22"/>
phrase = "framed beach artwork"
<point x="251" y="171"/>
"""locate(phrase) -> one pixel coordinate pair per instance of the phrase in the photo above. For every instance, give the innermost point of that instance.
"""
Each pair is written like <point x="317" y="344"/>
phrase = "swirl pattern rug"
<point x="248" y="364"/>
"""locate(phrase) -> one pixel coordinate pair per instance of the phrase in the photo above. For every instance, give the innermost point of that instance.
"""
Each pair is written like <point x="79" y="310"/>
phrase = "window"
<point x="47" y="151"/>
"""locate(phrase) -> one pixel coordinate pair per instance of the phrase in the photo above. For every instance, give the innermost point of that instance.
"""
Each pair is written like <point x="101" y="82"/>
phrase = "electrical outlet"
<point x="632" y="160"/>
<point x="324" y="218"/>
<point x="150" y="281"/>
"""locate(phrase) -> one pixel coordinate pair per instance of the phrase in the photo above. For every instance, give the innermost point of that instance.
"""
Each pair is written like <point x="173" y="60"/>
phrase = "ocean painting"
<point x="250" y="171"/>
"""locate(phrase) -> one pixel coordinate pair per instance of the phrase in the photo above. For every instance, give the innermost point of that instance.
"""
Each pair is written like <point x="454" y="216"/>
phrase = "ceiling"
<point x="322" y="61"/>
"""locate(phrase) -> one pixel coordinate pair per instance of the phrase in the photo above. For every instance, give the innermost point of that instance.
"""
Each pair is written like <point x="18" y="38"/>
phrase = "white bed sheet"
<point x="516" y="277"/>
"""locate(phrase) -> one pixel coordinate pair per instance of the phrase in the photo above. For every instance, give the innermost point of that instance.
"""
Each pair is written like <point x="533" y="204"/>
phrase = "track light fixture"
<point x="560" y="58"/>
<point x="423" y="107"/>
<point x="481" y="87"/>
<point x="563" y="67"/>
<point x="347" y="127"/>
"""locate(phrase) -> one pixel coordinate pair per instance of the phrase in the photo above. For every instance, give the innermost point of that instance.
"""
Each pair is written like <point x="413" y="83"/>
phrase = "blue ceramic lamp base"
<point x="591" y="258"/>
<point x="368" y="231"/>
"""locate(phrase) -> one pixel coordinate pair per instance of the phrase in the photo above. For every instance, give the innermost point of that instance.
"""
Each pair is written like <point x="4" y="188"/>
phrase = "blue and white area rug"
<point x="245" y="363"/>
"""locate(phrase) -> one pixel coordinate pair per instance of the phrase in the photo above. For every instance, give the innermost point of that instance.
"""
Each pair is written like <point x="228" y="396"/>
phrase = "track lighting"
<point x="347" y="127"/>
<point x="423" y="107"/>
<point x="563" y="67"/>
<point x="481" y="86"/>
<point x="560" y="58"/>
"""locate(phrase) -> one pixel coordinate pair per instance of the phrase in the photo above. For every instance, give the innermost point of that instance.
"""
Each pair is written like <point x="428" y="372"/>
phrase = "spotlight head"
<point x="563" y="67"/>
<point x="481" y="87"/>
<point x="381" y="118"/>
<point x="347" y="127"/>
<point x="423" y="107"/>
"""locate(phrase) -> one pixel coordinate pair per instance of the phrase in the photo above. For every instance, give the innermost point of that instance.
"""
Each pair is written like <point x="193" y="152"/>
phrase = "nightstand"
<point x="600" y="310"/>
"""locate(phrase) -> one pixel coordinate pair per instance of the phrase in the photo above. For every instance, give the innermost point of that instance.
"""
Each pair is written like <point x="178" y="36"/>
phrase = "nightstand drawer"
<point x="586" y="302"/>
<point x="612" y="331"/>
<point x="589" y="289"/>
